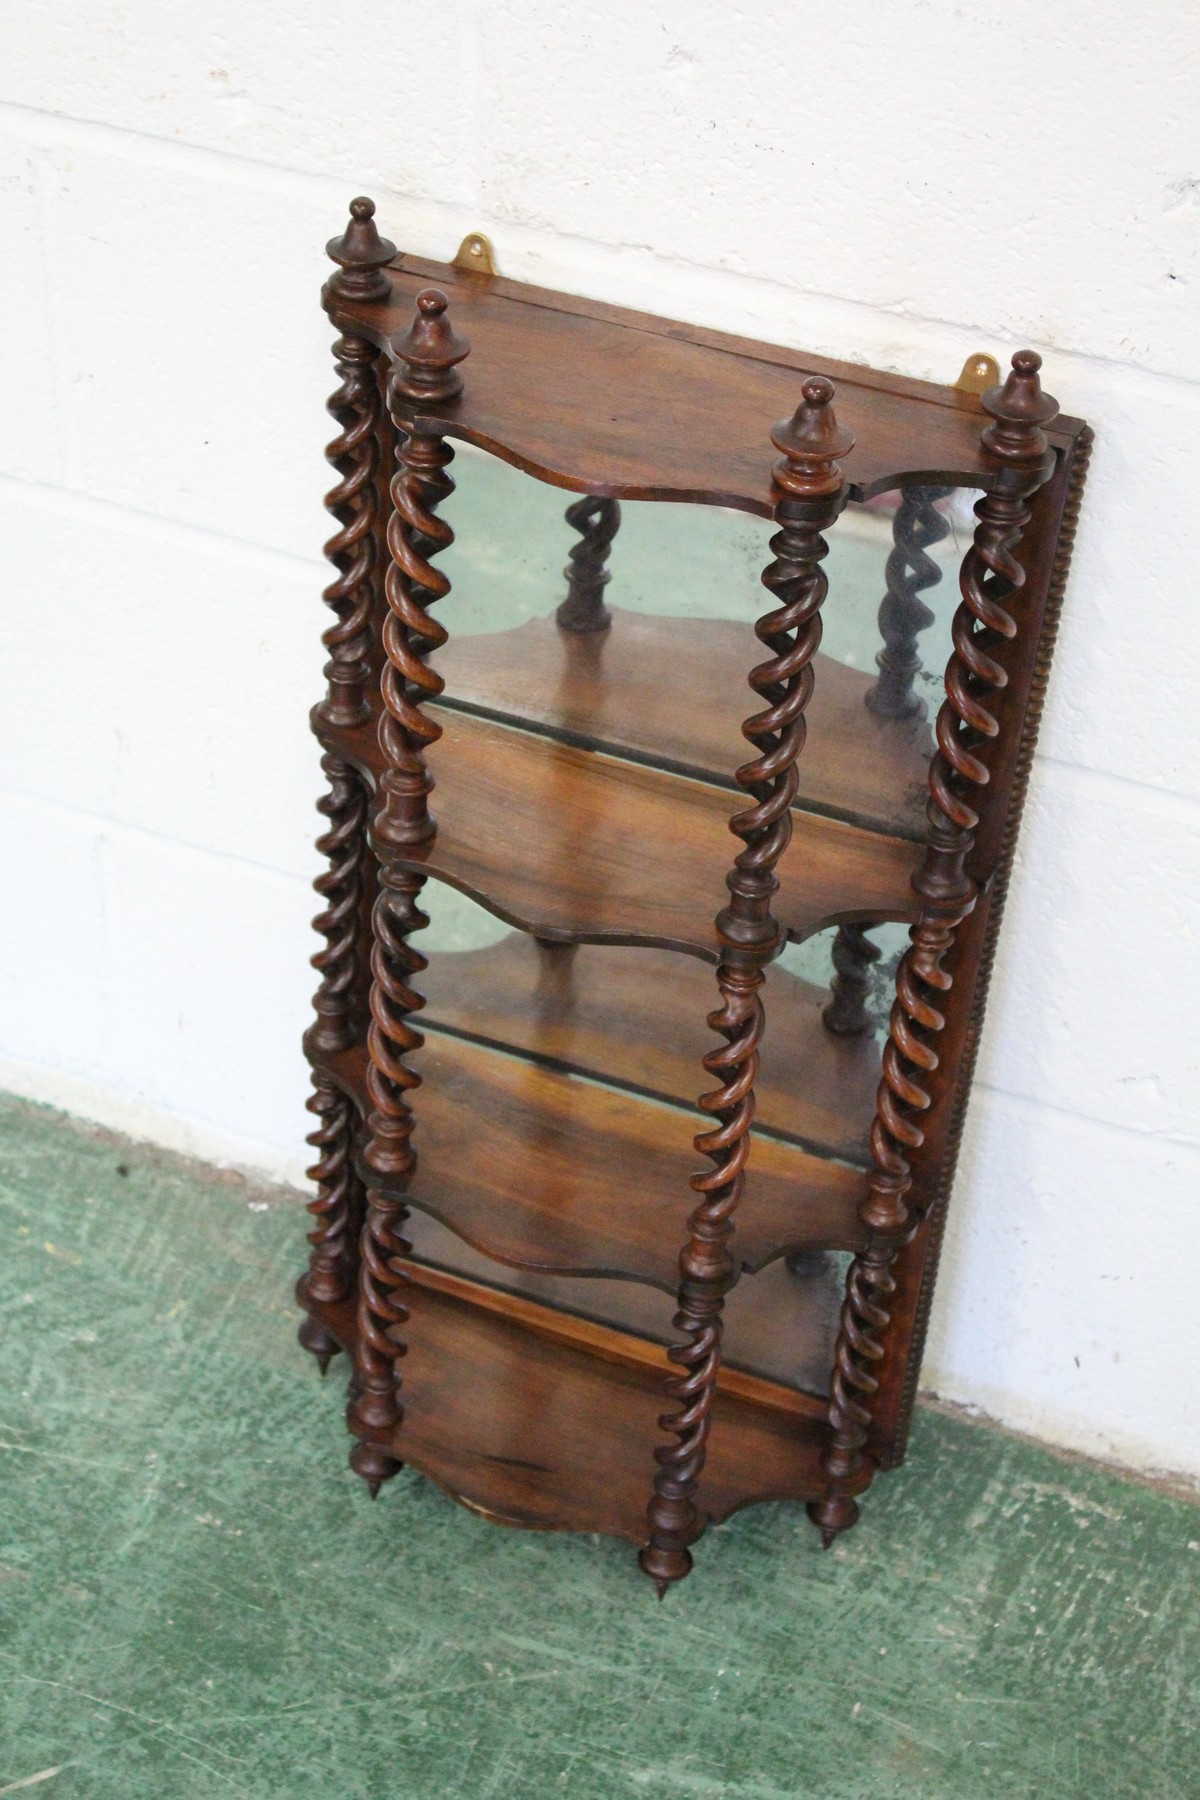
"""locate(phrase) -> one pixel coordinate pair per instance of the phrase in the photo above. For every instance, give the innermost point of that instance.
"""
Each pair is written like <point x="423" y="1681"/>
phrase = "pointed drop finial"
<point x="1020" y="408"/>
<point x="363" y="256"/>
<point x="811" y="441"/>
<point x="426" y="354"/>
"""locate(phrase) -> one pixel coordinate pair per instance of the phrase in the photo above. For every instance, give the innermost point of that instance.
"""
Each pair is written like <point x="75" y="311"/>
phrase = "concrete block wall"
<point x="903" y="185"/>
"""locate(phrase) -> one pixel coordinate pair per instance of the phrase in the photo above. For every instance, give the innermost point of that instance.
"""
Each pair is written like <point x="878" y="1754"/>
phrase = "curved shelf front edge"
<point x="618" y="852"/>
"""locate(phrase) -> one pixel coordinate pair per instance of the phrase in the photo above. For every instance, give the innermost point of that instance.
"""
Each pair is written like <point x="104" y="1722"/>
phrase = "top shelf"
<point x="672" y="411"/>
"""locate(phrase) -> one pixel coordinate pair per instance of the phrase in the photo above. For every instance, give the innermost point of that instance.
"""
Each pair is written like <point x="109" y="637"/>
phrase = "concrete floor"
<point x="199" y="1600"/>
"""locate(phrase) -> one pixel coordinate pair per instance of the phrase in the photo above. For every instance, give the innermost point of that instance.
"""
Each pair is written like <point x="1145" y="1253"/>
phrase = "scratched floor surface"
<point x="199" y="1600"/>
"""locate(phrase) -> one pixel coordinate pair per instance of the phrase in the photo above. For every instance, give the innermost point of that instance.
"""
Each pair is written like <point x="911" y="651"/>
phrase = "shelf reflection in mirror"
<point x="616" y="668"/>
<point x="636" y="1019"/>
<point x="701" y="562"/>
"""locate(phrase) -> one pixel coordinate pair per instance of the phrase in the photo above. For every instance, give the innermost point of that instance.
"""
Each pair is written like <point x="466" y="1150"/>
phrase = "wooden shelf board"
<point x="550" y="1172"/>
<point x="599" y="399"/>
<point x="780" y="1326"/>
<point x="673" y="692"/>
<point x="556" y="840"/>
<point x="538" y="1420"/>
<point x="638" y="1017"/>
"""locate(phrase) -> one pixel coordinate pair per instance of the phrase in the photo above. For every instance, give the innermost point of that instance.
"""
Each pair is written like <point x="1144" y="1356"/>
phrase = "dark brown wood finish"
<point x="425" y="374"/>
<point x="583" y="610"/>
<point x="780" y="1325"/>
<point x="550" y="1429"/>
<point x="583" y="766"/>
<point x="338" y="1204"/>
<point x="606" y="401"/>
<point x="1046" y="552"/>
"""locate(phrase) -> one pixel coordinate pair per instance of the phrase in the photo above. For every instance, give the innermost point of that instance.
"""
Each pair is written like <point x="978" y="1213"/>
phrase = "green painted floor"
<point x="198" y="1599"/>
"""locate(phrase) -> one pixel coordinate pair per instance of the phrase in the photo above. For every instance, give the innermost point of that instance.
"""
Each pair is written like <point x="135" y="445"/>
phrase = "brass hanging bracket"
<point x="979" y="373"/>
<point x="476" y="255"/>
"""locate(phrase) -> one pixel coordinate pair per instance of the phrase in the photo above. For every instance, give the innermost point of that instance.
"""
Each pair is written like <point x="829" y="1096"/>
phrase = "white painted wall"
<point x="900" y="182"/>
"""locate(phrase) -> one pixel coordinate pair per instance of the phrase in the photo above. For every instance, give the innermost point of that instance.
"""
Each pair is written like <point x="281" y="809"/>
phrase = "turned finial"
<point x="426" y="354"/>
<point x="1020" y="408"/>
<point x="811" y="441"/>
<point x="363" y="256"/>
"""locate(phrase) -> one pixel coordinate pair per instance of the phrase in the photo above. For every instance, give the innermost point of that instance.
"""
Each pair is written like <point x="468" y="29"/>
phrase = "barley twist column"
<point x="990" y="581"/>
<point x="340" y="885"/>
<point x="425" y="375"/>
<point x="597" y="520"/>
<point x="811" y="494"/>
<point x="936" y="1211"/>
<point x="337" y="1207"/>
<point x="337" y="1212"/>
<point x="361" y="255"/>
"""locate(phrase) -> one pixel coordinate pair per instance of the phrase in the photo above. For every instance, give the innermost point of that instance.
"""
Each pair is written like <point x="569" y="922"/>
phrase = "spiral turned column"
<point x="902" y="612"/>
<point x="353" y="549"/>
<point x="811" y="494"/>
<point x="937" y="1209"/>
<point x="853" y="954"/>
<point x="597" y="519"/>
<point x="361" y="255"/>
<point x="991" y="578"/>
<point x="337" y="1206"/>
<point x="340" y="885"/>
<point x="425" y="375"/>
<point x="337" y="1213"/>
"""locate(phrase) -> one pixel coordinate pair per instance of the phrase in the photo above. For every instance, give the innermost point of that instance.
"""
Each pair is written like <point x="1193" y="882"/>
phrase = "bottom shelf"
<point x="544" y="1420"/>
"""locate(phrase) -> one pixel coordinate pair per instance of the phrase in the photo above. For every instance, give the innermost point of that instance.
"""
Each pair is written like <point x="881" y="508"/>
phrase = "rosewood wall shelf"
<point x="557" y="1301"/>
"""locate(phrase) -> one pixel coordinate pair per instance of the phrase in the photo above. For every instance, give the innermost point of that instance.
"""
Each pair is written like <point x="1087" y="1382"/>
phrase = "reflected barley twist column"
<point x="361" y="255"/>
<point x="811" y="494"/>
<point x="902" y="613"/>
<point x="847" y="1014"/>
<point x="598" y="520"/>
<point x="990" y="581"/>
<point x="918" y="523"/>
<point x="425" y="376"/>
